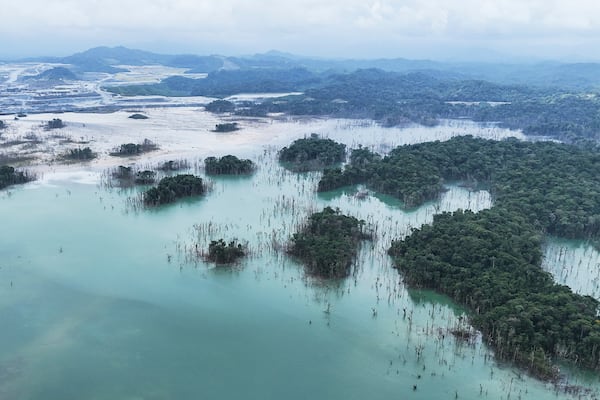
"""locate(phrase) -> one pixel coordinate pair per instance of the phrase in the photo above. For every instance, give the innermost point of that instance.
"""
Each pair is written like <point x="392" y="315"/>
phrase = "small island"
<point x="79" y="154"/>
<point x="220" y="106"/>
<point x="138" y="116"/>
<point x="9" y="176"/>
<point x="223" y="253"/>
<point x="133" y="149"/>
<point x="226" y="127"/>
<point x="312" y="153"/>
<point x="228" y="165"/>
<point x="172" y="188"/>
<point x="327" y="245"/>
<point x="55" y="123"/>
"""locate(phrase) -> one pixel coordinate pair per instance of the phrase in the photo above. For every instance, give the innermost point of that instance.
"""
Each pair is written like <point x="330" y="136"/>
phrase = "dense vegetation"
<point x="226" y="127"/>
<point x="170" y="189"/>
<point x="79" y="154"/>
<point x="327" y="244"/>
<point x="228" y="165"/>
<point x="491" y="261"/>
<point x="221" y="252"/>
<point x="2" y="125"/>
<point x="133" y="149"/>
<point x="10" y="176"/>
<point x="312" y="153"/>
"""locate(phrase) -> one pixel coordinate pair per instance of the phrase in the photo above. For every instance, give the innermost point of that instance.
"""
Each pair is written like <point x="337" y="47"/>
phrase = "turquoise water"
<point x="99" y="300"/>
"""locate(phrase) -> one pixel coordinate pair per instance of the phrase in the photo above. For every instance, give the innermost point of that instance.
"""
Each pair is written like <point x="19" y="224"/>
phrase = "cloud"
<point x="307" y="26"/>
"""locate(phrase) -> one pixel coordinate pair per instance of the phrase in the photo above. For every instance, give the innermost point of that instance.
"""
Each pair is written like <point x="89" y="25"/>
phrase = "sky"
<point x="566" y="30"/>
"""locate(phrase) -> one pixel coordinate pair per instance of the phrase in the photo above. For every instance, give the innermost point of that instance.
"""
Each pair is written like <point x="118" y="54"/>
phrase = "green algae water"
<point x="102" y="300"/>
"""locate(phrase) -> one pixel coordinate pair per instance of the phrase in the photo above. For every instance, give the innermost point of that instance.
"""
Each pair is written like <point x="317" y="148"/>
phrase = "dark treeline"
<point x="328" y="243"/>
<point x="491" y="261"/>
<point x="312" y="153"/>
<point x="228" y="165"/>
<point x="10" y="176"/>
<point x="172" y="188"/>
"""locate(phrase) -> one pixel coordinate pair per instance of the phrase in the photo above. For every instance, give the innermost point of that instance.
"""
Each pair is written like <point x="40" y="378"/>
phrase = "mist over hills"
<point x="545" y="74"/>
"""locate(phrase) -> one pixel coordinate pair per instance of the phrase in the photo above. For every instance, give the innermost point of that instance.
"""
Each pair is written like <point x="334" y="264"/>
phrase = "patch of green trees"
<point x="221" y="252"/>
<point x="490" y="262"/>
<point x="328" y="243"/>
<point x="172" y="188"/>
<point x="228" y="165"/>
<point x="312" y="153"/>
<point x="133" y="149"/>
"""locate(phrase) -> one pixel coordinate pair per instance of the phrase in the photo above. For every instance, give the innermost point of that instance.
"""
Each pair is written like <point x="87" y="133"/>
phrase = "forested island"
<point x="228" y="165"/>
<point x="10" y="176"/>
<point x="79" y="154"/>
<point x="328" y="243"/>
<point x="172" y="188"/>
<point x="312" y="153"/>
<point x="226" y="127"/>
<point x="490" y="262"/>
<point x="134" y="149"/>
<point x="221" y="252"/>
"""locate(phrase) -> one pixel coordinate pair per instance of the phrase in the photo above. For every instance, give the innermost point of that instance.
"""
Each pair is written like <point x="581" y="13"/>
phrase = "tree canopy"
<point x="327" y="244"/>
<point x="228" y="165"/>
<point x="172" y="188"/>
<point x="312" y="153"/>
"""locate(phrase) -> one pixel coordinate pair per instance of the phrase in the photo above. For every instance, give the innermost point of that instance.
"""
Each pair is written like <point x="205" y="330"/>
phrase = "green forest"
<point x="228" y="165"/>
<point x="490" y="262"/>
<point x="312" y="153"/>
<point x="328" y="243"/>
<point x="172" y="188"/>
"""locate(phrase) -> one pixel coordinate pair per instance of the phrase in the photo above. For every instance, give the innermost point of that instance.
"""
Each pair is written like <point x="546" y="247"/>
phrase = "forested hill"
<point x="394" y="98"/>
<point x="490" y="262"/>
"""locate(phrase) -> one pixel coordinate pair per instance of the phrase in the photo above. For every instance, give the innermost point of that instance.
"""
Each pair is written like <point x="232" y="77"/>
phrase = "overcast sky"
<point x="436" y="29"/>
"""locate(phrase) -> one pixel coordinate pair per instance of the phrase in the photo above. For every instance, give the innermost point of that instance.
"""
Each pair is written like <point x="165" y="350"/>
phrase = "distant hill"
<point x="54" y="74"/>
<point x="549" y="74"/>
